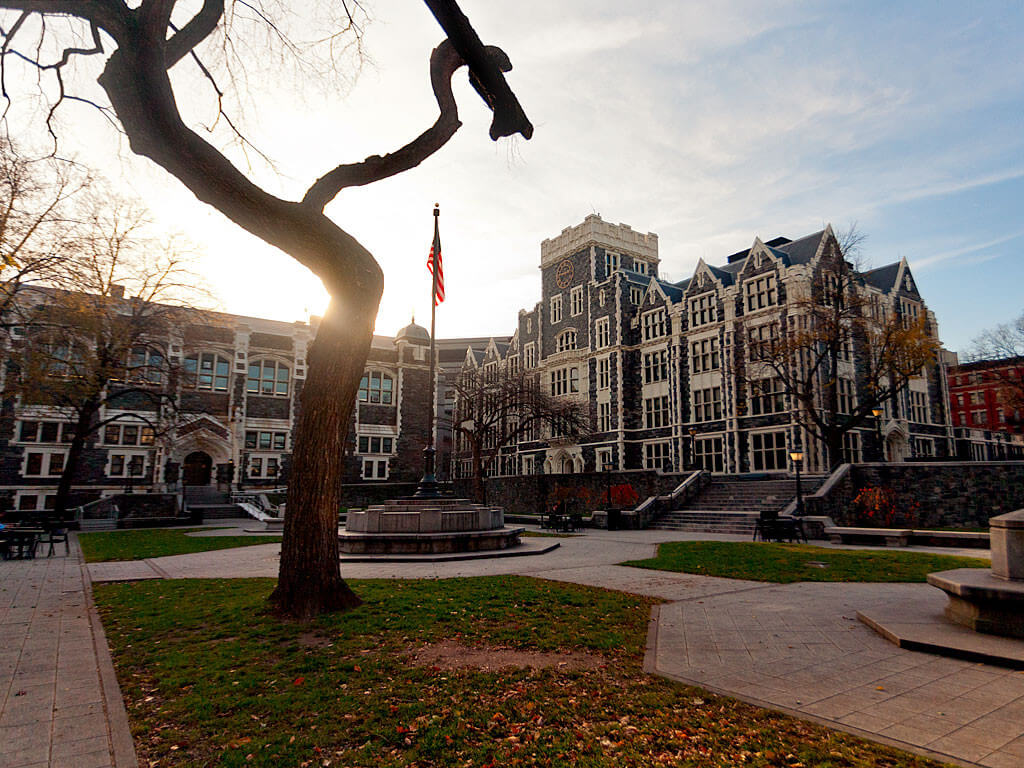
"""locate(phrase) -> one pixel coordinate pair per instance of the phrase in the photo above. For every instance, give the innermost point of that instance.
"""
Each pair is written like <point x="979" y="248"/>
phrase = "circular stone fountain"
<point x="424" y="526"/>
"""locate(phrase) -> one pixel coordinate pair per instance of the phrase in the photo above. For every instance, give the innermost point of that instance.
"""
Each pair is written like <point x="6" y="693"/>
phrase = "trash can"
<point x="614" y="519"/>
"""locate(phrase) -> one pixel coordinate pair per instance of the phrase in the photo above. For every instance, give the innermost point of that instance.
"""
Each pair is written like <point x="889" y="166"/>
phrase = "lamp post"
<point x="693" y="447"/>
<point x="798" y="459"/>
<point x="877" y="413"/>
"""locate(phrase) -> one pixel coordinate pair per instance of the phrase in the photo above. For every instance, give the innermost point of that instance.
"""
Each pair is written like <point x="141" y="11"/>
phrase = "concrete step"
<point x="99" y="524"/>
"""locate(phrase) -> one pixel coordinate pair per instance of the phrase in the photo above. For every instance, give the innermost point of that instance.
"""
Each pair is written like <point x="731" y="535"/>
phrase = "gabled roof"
<point x="883" y="278"/>
<point x="799" y="251"/>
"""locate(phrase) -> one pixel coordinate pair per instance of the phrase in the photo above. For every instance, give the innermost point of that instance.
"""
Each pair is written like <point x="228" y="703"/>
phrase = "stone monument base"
<point x="980" y="601"/>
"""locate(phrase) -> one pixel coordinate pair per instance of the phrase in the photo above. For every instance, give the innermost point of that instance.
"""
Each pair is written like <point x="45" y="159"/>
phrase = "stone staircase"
<point x="732" y="505"/>
<point x="212" y="503"/>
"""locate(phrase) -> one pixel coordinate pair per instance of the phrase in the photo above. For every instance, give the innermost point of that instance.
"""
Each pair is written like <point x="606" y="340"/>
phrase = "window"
<point x="266" y="441"/>
<point x="566" y="341"/>
<point x="655" y="366"/>
<point x="264" y="467"/>
<point x="918" y="407"/>
<point x="847" y="399"/>
<point x="640" y="266"/>
<point x="708" y="454"/>
<point x="924" y="447"/>
<point x="29" y="431"/>
<point x="530" y="356"/>
<point x="603" y="459"/>
<point x="768" y="451"/>
<point x="145" y="365"/>
<point x="707" y="404"/>
<point x="602" y="334"/>
<point x="576" y="301"/>
<point x="565" y="380"/>
<point x="127" y="465"/>
<point x="851" y="448"/>
<point x="208" y="370"/>
<point x="657" y="456"/>
<point x="556" y="309"/>
<point x="375" y="469"/>
<point x="702" y="310"/>
<point x="44" y="464"/>
<point x="636" y="294"/>
<point x="604" y="373"/>
<point x="513" y="364"/>
<point x="767" y="396"/>
<point x="268" y="377"/>
<point x="604" y="417"/>
<point x="611" y="263"/>
<point x="377" y="387"/>
<point x="373" y="444"/>
<point x="128" y="434"/>
<point x="601" y="298"/>
<point x="28" y="503"/>
<point x="45" y="432"/>
<point x="761" y="340"/>
<point x="760" y="292"/>
<point x="654" y="325"/>
<point x="704" y="355"/>
<point x="656" y="412"/>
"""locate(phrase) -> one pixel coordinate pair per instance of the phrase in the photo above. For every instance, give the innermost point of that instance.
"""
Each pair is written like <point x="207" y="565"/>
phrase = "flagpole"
<point x="428" y="485"/>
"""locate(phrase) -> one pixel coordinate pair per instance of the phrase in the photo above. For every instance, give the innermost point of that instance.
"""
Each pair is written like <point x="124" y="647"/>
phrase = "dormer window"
<point x="654" y="324"/>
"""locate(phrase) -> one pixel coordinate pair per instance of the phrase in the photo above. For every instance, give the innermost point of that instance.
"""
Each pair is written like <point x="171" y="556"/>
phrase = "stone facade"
<point x="234" y="421"/>
<point x="664" y="367"/>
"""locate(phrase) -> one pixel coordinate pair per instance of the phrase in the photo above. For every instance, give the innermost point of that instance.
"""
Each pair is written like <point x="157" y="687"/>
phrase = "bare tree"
<point x="1004" y="344"/>
<point x="496" y="407"/>
<point x="94" y="352"/>
<point x="147" y="44"/>
<point x="833" y="336"/>
<point x="36" y="230"/>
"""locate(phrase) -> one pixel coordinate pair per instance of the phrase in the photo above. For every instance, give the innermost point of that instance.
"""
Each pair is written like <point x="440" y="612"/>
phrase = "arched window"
<point x="566" y="341"/>
<point x="207" y="370"/>
<point x="267" y="377"/>
<point x="377" y="387"/>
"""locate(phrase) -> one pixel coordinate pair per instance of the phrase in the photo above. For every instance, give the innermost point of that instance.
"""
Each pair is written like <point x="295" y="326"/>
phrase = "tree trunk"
<point x="309" y="580"/>
<point x="74" y="458"/>
<point x="478" y="474"/>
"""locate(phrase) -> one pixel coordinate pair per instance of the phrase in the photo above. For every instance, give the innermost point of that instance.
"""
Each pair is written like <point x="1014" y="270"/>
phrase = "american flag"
<point x="435" y="252"/>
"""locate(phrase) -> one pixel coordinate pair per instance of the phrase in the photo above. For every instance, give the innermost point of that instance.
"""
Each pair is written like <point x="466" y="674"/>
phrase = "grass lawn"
<point x="211" y="680"/>
<point x="786" y="563"/>
<point x="101" y="546"/>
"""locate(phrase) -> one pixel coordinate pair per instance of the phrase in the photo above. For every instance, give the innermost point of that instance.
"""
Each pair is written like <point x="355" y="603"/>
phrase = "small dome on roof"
<point x="414" y="334"/>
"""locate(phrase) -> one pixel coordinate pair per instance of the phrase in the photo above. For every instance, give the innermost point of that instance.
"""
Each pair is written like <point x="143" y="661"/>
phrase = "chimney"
<point x="116" y="291"/>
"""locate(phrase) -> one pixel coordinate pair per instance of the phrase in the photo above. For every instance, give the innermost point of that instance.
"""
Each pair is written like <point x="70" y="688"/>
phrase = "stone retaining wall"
<point x="948" y="494"/>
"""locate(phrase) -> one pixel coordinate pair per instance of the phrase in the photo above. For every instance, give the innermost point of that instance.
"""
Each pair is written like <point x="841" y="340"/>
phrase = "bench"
<point x="892" y="537"/>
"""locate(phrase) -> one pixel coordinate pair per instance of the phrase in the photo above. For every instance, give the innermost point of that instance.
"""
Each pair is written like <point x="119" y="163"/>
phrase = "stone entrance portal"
<point x="197" y="469"/>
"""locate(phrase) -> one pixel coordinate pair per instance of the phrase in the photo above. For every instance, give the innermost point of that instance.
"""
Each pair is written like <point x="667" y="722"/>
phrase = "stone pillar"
<point x="1007" y="542"/>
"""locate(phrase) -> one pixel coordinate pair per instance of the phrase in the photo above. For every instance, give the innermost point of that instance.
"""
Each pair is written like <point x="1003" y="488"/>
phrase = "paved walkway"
<point x="797" y="648"/>
<point x="59" y="700"/>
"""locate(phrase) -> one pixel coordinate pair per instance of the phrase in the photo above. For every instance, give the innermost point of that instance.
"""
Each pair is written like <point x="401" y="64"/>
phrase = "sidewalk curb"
<point x="122" y="746"/>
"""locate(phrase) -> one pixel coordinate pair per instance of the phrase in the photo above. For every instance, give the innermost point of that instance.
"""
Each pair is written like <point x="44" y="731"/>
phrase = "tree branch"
<point x="444" y="61"/>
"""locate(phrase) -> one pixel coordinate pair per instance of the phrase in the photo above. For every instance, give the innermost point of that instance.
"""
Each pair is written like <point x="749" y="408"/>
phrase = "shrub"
<point x="879" y="507"/>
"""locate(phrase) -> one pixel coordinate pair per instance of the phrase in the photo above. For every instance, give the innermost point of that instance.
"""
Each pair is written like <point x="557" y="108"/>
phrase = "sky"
<point x="708" y="124"/>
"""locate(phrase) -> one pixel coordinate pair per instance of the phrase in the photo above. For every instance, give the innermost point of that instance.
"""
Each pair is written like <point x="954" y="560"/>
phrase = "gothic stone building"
<point x="658" y="364"/>
<point x="232" y="427"/>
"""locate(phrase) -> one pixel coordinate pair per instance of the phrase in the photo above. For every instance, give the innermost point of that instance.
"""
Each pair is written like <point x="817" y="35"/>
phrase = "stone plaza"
<point x="796" y="648"/>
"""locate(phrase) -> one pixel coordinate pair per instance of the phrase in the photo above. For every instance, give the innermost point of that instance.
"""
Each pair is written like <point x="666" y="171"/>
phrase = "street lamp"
<point x="693" y="447"/>
<point x="798" y="458"/>
<point x="877" y="413"/>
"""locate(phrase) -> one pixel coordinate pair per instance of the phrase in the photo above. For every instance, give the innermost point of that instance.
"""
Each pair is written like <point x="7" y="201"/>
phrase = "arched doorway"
<point x="897" y="447"/>
<point x="197" y="469"/>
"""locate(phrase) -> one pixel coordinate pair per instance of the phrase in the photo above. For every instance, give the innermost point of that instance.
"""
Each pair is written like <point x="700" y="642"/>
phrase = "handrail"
<point x="110" y="513"/>
<point x="824" y="489"/>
